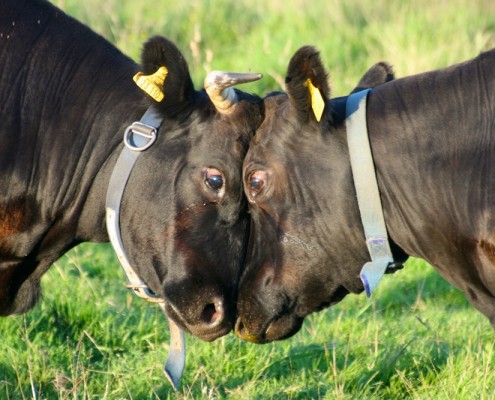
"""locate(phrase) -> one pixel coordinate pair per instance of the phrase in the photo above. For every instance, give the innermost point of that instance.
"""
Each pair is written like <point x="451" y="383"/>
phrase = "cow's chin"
<point x="278" y="329"/>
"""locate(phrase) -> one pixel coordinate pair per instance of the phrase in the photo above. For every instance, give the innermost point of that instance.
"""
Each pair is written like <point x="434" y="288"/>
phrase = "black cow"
<point x="66" y="98"/>
<point x="432" y="138"/>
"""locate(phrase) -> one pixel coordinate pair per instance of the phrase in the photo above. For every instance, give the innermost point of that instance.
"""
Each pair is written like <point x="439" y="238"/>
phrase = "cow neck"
<point x="138" y="137"/>
<point x="367" y="193"/>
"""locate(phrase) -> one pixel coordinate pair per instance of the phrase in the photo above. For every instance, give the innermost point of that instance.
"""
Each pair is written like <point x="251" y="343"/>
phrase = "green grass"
<point x="89" y="338"/>
<point x="417" y="337"/>
<point x="260" y="36"/>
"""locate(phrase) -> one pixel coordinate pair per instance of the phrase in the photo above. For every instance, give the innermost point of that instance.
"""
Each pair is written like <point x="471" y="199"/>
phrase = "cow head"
<point x="306" y="242"/>
<point x="183" y="207"/>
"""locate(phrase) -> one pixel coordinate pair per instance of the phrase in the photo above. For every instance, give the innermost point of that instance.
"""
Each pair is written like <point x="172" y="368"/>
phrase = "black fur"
<point x="433" y="141"/>
<point x="67" y="96"/>
<point x="178" y="86"/>
<point x="306" y="64"/>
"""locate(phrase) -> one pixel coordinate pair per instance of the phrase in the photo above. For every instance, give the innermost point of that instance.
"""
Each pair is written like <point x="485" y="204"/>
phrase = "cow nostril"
<point x="242" y="332"/>
<point x="268" y="278"/>
<point x="209" y="314"/>
<point x="213" y="313"/>
<point x="239" y="327"/>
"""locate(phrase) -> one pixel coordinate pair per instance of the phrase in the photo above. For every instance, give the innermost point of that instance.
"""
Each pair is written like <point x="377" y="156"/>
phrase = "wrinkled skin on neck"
<point x="67" y="96"/>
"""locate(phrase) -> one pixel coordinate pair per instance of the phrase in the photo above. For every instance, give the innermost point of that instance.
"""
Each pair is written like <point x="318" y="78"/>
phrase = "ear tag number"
<point x="152" y="84"/>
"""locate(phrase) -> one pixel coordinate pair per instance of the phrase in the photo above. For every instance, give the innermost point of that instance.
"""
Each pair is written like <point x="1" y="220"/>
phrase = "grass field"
<point x="417" y="338"/>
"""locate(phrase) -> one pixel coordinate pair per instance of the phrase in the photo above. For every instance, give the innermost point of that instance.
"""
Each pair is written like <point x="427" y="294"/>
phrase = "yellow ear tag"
<point x="152" y="84"/>
<point x="317" y="102"/>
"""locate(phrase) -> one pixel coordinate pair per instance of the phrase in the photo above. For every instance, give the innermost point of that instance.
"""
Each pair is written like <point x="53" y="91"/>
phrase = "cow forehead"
<point x="273" y="134"/>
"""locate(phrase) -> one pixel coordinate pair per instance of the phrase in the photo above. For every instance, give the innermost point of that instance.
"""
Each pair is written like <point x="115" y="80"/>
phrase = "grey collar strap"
<point x="368" y="196"/>
<point x="137" y="138"/>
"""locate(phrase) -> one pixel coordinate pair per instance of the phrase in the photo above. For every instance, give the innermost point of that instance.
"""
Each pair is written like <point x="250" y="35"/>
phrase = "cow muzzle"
<point x="208" y="320"/>
<point x="281" y="328"/>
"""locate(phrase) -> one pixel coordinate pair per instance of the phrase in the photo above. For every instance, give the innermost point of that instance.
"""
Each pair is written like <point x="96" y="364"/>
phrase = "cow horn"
<point x="222" y="95"/>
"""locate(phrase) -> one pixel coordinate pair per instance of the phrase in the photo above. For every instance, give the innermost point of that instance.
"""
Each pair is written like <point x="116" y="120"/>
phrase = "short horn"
<point x="218" y="86"/>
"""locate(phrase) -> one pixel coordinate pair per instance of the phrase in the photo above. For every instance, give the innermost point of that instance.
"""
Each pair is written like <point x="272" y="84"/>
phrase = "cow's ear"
<point x="307" y="84"/>
<point x="165" y="75"/>
<point x="379" y="73"/>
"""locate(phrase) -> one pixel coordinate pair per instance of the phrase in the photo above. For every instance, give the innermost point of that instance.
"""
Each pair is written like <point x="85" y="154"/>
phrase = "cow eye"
<point x="257" y="181"/>
<point x="214" y="179"/>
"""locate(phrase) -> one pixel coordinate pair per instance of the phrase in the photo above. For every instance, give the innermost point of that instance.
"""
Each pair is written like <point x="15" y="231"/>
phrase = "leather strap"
<point x="368" y="195"/>
<point x="138" y="137"/>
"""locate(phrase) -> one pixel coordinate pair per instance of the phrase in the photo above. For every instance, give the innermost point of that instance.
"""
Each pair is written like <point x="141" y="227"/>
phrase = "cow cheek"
<point x="308" y="284"/>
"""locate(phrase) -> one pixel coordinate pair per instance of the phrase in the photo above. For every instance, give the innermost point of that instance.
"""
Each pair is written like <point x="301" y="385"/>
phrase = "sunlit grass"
<point x="255" y="35"/>
<point x="416" y="338"/>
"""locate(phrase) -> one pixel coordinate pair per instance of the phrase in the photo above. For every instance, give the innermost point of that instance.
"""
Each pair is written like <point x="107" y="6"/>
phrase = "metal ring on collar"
<point x="144" y="138"/>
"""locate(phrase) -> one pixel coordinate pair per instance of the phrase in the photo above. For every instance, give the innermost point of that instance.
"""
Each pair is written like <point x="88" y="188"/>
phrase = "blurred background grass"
<point x="416" y="338"/>
<point x="255" y="35"/>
